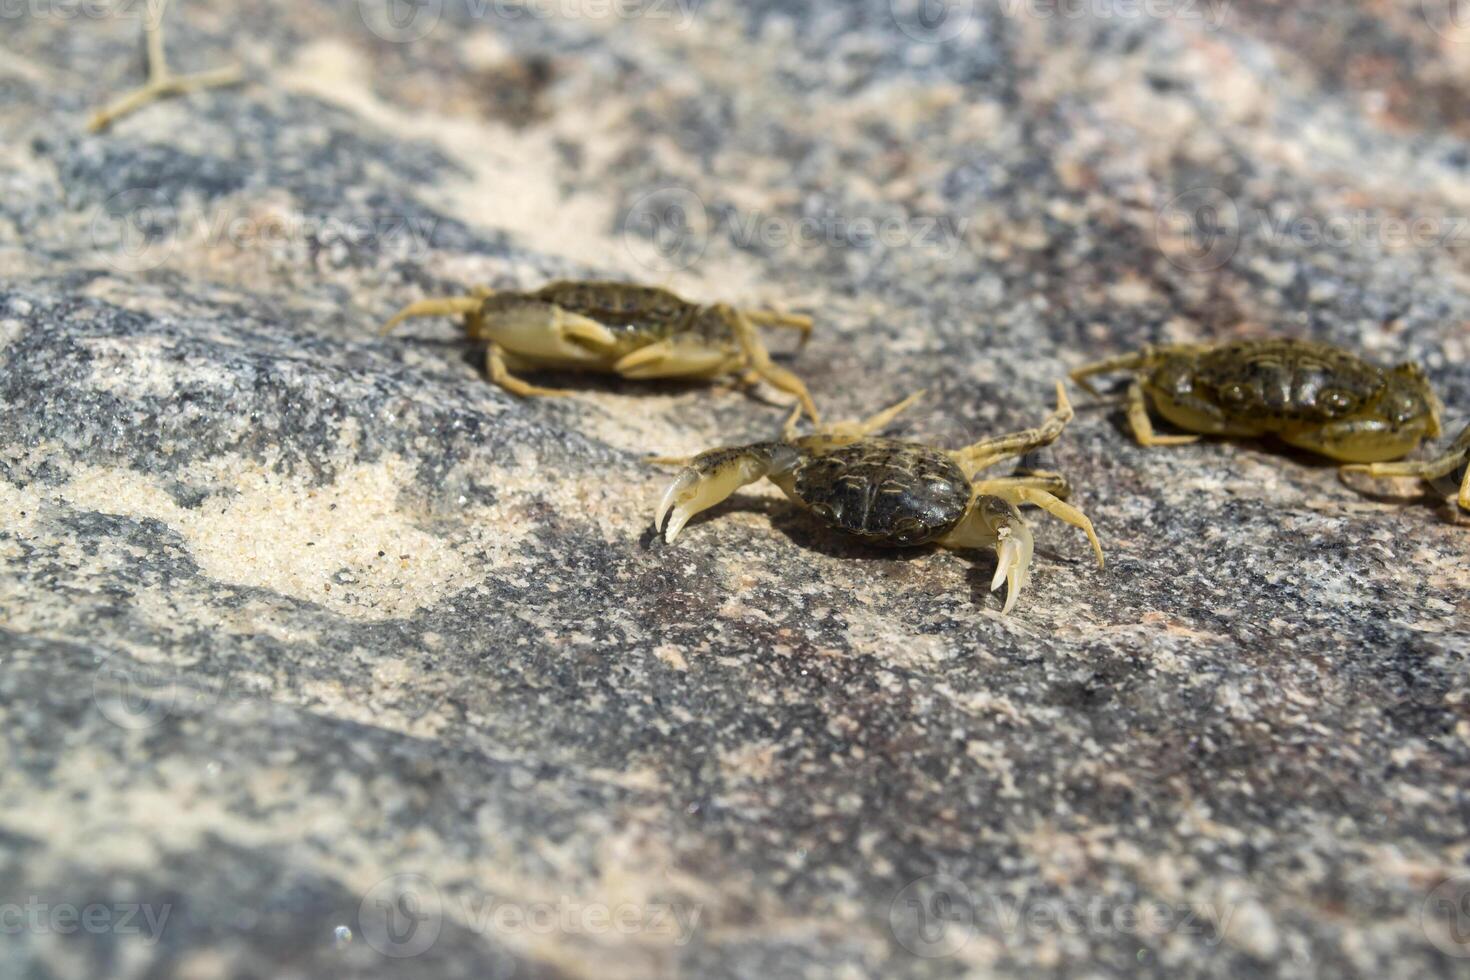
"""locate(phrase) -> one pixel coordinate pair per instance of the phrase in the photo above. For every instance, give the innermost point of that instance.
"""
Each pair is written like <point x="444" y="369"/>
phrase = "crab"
<point x="1312" y="396"/>
<point x="615" y="328"/>
<point x="161" y="81"/>
<point x="892" y="493"/>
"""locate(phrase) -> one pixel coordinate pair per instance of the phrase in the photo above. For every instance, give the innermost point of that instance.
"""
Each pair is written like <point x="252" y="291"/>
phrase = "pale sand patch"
<point x="141" y="366"/>
<point x="348" y="546"/>
<point x="635" y="866"/>
<point x="512" y="184"/>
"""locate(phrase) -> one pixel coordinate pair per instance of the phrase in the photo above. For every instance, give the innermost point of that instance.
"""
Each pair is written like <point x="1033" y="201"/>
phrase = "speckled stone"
<point x="338" y="661"/>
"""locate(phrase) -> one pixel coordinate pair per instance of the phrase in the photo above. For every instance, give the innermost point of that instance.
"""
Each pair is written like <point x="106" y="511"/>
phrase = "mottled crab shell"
<point x="885" y="491"/>
<point x="1274" y="383"/>
<point x="619" y="303"/>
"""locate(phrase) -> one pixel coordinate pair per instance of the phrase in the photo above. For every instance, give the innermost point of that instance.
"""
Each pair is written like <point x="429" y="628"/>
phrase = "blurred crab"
<point x="615" y="328"/>
<point x="1311" y="396"/>
<point x="893" y="493"/>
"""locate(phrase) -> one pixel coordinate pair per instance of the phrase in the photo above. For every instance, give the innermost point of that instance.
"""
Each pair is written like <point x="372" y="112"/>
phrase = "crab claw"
<point x="1013" y="565"/>
<point x="710" y="478"/>
<point x="995" y="522"/>
<point x="681" y="485"/>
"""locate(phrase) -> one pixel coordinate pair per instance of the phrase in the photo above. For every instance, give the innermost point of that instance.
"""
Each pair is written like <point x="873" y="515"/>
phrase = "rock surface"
<point x="327" y="658"/>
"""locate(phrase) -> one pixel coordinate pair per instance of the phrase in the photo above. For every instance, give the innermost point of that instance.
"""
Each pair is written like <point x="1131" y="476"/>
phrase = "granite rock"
<point x="319" y="655"/>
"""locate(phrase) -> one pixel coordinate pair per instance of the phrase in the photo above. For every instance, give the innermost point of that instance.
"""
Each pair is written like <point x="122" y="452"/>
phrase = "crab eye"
<point x="1404" y="408"/>
<point x="1335" y="401"/>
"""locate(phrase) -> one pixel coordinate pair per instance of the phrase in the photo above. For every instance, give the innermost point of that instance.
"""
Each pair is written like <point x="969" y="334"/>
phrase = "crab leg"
<point x="1053" y="483"/>
<point x="791" y="321"/>
<point x="988" y="452"/>
<point x="161" y="81"/>
<point x="760" y="359"/>
<point x="1433" y="469"/>
<point x="443" y="306"/>
<point x="1019" y="493"/>
<point x="1111" y="365"/>
<point x="1143" y="426"/>
<point x="499" y="373"/>
<point x="836" y="434"/>
<point x="1127" y="362"/>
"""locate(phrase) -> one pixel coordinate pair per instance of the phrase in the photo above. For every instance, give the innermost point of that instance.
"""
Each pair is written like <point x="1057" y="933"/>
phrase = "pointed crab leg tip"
<point x="1005" y="559"/>
<point x="1064" y="405"/>
<point x="676" y="524"/>
<point x="1012" y="593"/>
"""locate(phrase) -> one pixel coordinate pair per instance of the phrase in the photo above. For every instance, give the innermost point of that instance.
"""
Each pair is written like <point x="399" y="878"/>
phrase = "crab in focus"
<point x="161" y="81"/>
<point x="892" y="493"/>
<point x="615" y="328"/>
<point x="1311" y="396"/>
